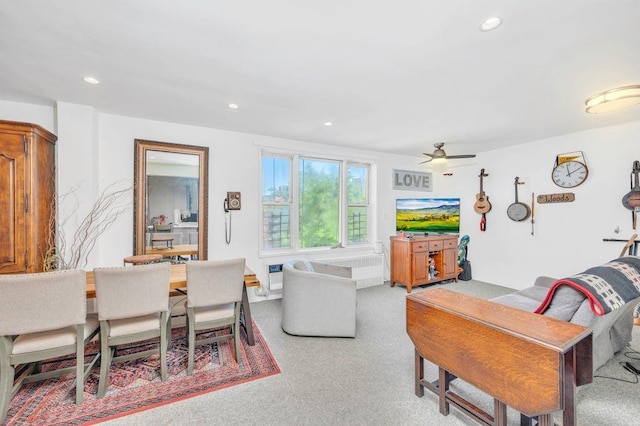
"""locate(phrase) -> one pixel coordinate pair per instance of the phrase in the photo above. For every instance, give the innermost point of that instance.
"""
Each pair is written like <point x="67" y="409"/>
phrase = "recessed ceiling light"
<point x="328" y="123"/>
<point x="491" y="23"/>
<point x="91" y="80"/>
<point x="232" y="106"/>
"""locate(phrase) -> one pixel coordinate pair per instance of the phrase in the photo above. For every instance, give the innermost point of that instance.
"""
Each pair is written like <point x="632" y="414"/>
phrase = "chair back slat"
<point x="214" y="282"/>
<point x="131" y="291"/>
<point x="42" y="301"/>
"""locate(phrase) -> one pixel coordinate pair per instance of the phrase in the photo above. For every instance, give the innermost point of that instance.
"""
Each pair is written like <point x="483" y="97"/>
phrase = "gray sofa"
<point x="611" y="332"/>
<point x="318" y="299"/>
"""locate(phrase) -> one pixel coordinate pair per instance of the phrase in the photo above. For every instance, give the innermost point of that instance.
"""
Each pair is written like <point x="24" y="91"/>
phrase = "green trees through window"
<point x="328" y="207"/>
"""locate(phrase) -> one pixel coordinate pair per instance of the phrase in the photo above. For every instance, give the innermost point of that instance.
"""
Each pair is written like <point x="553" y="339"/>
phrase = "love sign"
<point x="412" y="181"/>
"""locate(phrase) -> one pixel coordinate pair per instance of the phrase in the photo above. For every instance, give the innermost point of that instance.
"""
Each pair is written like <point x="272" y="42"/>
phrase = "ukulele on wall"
<point x="482" y="205"/>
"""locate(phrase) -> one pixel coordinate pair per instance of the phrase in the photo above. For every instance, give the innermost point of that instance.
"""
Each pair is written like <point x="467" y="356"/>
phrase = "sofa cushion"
<point x="583" y="315"/>
<point x="303" y="265"/>
<point x="566" y="301"/>
<point x="536" y="293"/>
<point x="517" y="300"/>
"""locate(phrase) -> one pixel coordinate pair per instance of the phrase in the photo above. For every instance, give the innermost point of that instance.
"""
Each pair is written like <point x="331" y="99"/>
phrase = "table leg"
<point x="545" y="420"/>
<point x="569" y="390"/>
<point x="245" y="316"/>
<point x="419" y="374"/>
<point x="443" y="387"/>
<point x="499" y="413"/>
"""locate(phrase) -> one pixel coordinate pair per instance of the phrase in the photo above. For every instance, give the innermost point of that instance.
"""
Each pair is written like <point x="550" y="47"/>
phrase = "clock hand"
<point x="575" y="170"/>
<point x="568" y="172"/>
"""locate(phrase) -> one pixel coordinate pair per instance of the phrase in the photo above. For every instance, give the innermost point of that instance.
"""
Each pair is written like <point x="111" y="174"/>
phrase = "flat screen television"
<point x="428" y="215"/>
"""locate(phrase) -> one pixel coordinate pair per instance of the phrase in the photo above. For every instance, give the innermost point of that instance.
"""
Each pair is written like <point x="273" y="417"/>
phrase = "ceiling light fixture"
<point x="491" y="23"/>
<point x="613" y="99"/>
<point x="232" y="106"/>
<point x="439" y="164"/>
<point x="91" y="80"/>
<point x="328" y="124"/>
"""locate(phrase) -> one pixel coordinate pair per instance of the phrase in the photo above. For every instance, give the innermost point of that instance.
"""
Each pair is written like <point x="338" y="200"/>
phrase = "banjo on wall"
<point x="518" y="211"/>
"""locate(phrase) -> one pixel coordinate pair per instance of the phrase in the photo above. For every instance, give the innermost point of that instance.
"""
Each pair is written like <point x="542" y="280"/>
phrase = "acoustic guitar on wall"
<point x="482" y="204"/>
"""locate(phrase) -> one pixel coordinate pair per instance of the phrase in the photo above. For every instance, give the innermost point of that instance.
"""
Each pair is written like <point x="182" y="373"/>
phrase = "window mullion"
<point x="295" y="203"/>
<point x="344" y="210"/>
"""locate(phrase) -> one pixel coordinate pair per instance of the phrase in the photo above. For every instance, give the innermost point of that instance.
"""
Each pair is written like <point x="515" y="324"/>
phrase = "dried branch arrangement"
<point x="74" y="253"/>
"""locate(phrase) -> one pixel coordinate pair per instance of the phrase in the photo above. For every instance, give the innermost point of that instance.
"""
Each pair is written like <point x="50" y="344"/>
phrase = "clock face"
<point x="569" y="174"/>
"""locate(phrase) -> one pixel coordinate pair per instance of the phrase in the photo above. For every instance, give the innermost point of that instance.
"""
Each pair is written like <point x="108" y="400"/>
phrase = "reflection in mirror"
<point x="170" y="200"/>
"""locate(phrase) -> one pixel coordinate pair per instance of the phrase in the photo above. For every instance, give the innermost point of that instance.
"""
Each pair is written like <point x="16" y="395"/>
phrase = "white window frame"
<point x="294" y="160"/>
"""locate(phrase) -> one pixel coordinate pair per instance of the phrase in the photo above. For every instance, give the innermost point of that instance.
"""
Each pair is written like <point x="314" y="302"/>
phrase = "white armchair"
<point x="318" y="299"/>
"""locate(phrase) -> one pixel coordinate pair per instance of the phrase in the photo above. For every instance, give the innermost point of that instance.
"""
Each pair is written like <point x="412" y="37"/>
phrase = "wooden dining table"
<point x="176" y="250"/>
<point x="178" y="280"/>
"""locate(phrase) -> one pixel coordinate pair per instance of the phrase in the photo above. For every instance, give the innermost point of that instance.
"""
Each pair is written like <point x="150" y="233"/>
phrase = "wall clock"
<point x="570" y="170"/>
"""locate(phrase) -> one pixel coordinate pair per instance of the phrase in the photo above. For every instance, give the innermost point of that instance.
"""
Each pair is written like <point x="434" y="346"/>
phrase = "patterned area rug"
<point x="136" y="386"/>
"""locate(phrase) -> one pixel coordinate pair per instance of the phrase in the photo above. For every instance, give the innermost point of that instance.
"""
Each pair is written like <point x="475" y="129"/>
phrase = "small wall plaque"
<point x="412" y="181"/>
<point x="564" y="197"/>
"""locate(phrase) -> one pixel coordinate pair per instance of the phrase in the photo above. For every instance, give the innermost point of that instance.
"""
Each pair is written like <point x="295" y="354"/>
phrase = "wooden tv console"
<point x="410" y="258"/>
<point x="527" y="361"/>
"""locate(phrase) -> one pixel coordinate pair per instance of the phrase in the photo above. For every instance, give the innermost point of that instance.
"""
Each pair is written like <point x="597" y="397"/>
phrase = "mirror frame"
<point x="140" y="190"/>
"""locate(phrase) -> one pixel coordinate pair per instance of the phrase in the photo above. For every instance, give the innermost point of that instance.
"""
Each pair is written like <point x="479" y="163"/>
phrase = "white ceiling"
<point x="393" y="76"/>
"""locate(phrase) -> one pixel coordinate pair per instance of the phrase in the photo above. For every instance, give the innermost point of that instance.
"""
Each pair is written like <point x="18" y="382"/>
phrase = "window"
<point x="276" y="202"/>
<point x="357" y="203"/>
<point x="324" y="203"/>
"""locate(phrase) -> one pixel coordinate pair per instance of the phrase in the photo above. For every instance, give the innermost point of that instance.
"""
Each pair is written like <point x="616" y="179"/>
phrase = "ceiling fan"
<point x="440" y="156"/>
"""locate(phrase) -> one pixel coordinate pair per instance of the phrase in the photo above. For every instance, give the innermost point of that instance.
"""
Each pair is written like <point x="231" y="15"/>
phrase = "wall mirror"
<point x="170" y="199"/>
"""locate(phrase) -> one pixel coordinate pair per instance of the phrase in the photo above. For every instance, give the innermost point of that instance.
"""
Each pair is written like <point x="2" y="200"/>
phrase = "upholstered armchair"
<point x="318" y="299"/>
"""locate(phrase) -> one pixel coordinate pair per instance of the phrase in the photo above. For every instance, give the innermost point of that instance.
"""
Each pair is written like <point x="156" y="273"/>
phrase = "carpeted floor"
<point x="368" y="380"/>
<point x="135" y="385"/>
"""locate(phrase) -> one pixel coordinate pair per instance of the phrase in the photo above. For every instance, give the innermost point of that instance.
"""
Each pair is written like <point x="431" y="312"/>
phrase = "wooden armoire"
<point x="27" y="197"/>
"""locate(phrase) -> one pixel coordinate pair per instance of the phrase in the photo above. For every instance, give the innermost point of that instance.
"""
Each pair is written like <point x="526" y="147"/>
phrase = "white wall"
<point x="37" y="114"/>
<point x="568" y="237"/>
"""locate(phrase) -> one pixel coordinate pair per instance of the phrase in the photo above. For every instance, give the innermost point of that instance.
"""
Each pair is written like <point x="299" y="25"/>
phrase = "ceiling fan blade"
<point x="426" y="161"/>
<point x="425" y="153"/>
<point x="462" y="156"/>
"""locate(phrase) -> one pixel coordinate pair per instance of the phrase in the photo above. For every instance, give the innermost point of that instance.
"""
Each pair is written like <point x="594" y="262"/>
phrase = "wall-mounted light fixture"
<point x="613" y="99"/>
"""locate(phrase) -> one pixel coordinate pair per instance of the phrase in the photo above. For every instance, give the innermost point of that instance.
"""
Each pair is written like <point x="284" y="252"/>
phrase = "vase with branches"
<point x="74" y="252"/>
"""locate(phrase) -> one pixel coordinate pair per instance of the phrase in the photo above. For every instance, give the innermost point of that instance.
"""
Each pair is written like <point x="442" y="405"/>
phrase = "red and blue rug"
<point x="136" y="386"/>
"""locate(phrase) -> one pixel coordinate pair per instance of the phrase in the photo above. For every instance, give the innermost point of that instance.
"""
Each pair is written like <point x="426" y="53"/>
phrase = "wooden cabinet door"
<point x="400" y="267"/>
<point x="449" y="262"/>
<point x="12" y="204"/>
<point x="420" y="267"/>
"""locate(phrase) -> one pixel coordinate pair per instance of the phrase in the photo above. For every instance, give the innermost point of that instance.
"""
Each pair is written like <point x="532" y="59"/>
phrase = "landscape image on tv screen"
<point x="430" y="215"/>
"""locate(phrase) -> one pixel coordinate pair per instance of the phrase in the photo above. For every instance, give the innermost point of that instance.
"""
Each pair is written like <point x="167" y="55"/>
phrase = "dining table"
<point x="176" y="250"/>
<point x="178" y="281"/>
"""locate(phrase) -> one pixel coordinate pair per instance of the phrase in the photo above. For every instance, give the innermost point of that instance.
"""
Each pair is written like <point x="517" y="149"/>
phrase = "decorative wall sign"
<point x="412" y="181"/>
<point x="564" y="197"/>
